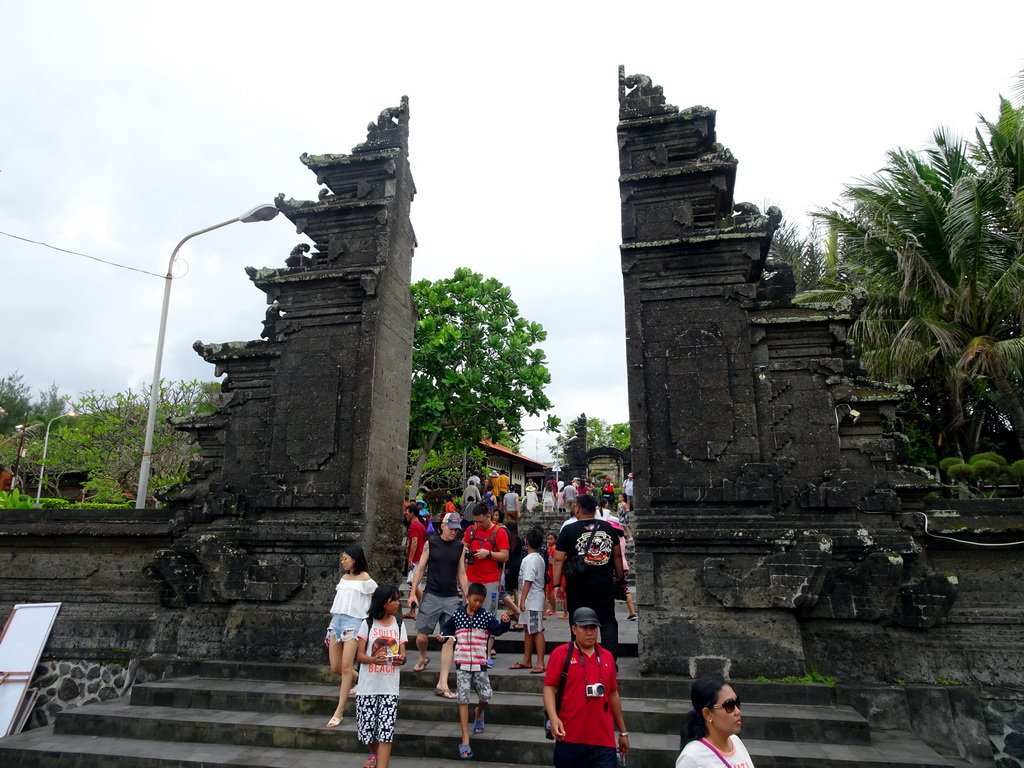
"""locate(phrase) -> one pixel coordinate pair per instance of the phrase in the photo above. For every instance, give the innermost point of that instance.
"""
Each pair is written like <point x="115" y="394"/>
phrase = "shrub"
<point x="962" y="473"/>
<point x="949" y="461"/>
<point x="995" y="458"/>
<point x="989" y="471"/>
<point x="1016" y="471"/>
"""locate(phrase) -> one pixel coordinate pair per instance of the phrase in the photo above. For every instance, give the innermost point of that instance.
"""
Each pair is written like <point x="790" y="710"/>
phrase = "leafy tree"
<point x="444" y="467"/>
<point x="15" y="402"/>
<point x="105" y="440"/>
<point x="477" y="368"/>
<point x="937" y="240"/>
<point x="599" y="433"/>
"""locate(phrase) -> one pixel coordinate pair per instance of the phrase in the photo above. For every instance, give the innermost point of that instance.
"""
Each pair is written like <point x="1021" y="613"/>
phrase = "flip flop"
<point x="465" y="751"/>
<point x="537" y="671"/>
<point x="478" y="726"/>
<point x="371" y="762"/>
<point x="334" y="721"/>
<point x="421" y="665"/>
<point x="517" y="665"/>
<point x="444" y="693"/>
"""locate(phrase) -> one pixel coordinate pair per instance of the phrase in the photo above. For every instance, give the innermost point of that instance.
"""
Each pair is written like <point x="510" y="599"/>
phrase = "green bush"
<point x="1016" y="471"/>
<point x="988" y="471"/>
<point x="962" y="473"/>
<point x="15" y="500"/>
<point x="995" y="458"/>
<point x="949" y="461"/>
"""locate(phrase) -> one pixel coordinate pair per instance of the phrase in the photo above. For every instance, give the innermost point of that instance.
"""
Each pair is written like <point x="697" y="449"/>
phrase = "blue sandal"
<point x="465" y="751"/>
<point x="478" y="726"/>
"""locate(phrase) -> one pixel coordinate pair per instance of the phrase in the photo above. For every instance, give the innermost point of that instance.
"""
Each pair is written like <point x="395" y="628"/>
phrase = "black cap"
<point x="585" y="617"/>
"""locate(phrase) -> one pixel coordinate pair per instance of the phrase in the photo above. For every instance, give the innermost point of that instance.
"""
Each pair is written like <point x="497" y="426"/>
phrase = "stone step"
<point x="631" y="684"/>
<point x="41" y="748"/>
<point x="784" y="722"/>
<point x="259" y="739"/>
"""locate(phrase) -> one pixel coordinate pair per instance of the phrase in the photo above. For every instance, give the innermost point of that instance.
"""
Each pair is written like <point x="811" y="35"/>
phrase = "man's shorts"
<point x="479" y="680"/>
<point x="408" y="579"/>
<point x="433" y="609"/>
<point x="533" y="620"/>
<point x="492" y="600"/>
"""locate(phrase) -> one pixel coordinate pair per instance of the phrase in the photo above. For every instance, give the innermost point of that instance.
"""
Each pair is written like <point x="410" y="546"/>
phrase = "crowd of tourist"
<point x="490" y="568"/>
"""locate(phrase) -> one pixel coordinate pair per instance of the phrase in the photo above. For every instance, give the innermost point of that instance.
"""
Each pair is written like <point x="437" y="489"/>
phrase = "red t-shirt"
<point x="584" y="718"/>
<point x="417" y="530"/>
<point x="485" y="570"/>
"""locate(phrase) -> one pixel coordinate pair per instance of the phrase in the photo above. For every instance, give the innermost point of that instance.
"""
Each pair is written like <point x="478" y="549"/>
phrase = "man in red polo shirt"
<point x="584" y="721"/>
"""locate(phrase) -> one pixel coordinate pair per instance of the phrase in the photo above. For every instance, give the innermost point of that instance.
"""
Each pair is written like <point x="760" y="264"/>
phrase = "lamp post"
<point x="259" y="213"/>
<point x="46" y="445"/>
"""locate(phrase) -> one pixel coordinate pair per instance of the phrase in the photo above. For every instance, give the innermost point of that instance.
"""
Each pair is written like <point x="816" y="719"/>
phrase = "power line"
<point x="76" y="253"/>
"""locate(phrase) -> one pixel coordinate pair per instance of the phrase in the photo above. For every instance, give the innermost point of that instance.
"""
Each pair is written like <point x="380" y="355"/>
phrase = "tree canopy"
<point x="477" y="369"/>
<point x="104" y="441"/>
<point x="936" y="238"/>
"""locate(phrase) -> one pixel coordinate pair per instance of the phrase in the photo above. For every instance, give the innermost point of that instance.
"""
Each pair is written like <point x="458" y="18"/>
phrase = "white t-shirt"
<point x="532" y="569"/>
<point x="697" y="754"/>
<point x="381" y="678"/>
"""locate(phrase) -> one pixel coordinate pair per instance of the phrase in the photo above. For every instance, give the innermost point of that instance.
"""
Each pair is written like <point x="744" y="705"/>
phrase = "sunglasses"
<point x="729" y="705"/>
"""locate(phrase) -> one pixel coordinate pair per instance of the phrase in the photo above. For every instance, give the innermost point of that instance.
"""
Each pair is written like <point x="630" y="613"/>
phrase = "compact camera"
<point x="595" y="691"/>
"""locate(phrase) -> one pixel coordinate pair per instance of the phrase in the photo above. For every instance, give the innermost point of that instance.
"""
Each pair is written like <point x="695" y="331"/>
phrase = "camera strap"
<point x="560" y="691"/>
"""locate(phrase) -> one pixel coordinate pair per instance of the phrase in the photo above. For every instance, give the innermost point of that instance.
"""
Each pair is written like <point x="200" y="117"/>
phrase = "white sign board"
<point x="21" y="645"/>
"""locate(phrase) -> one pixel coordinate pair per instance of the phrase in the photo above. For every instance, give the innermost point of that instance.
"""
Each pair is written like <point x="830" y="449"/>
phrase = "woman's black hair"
<point x="381" y="595"/>
<point x="703" y="693"/>
<point x="358" y="559"/>
<point x="513" y="535"/>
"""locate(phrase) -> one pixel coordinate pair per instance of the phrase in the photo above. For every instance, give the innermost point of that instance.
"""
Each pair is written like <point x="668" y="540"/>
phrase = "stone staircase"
<point x="217" y="713"/>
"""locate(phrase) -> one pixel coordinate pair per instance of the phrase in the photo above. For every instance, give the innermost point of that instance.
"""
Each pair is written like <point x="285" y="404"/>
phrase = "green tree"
<point x="935" y="238"/>
<point x="477" y="368"/>
<point x="105" y="440"/>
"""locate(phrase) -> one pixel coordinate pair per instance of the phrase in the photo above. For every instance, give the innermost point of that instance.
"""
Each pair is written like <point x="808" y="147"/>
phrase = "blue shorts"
<point x="343" y="627"/>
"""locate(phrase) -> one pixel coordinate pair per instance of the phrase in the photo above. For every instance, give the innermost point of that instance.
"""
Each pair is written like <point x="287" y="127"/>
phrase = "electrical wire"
<point x="76" y="253"/>
<point x="962" y="541"/>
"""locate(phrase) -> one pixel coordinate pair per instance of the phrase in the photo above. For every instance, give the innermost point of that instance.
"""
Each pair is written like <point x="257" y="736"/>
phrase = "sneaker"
<point x="490" y="662"/>
<point x="631" y="617"/>
<point x="493" y="653"/>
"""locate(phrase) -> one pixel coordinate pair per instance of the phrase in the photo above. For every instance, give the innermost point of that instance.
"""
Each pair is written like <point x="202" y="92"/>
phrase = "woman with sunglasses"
<point x="709" y="738"/>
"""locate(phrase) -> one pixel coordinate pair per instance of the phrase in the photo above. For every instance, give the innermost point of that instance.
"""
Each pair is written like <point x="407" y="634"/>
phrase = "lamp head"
<point x="263" y="212"/>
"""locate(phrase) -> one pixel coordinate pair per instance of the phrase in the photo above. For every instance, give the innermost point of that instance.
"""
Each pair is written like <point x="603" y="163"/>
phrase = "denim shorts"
<point x="343" y="627"/>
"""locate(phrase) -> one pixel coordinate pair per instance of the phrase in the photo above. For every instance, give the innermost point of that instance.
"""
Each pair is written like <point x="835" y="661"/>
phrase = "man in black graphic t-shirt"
<point x="598" y="544"/>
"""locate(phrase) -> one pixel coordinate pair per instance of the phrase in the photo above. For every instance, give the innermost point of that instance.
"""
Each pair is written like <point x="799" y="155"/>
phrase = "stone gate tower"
<point x="769" y="514"/>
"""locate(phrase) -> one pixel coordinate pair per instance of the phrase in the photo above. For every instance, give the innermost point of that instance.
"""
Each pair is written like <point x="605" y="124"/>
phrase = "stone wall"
<point x="69" y="684"/>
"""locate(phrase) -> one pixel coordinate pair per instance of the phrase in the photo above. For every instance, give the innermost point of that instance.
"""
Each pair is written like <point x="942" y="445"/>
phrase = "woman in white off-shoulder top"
<point x="351" y="601"/>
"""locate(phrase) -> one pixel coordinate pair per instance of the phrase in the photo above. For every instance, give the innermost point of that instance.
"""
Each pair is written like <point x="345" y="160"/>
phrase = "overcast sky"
<point x="127" y="125"/>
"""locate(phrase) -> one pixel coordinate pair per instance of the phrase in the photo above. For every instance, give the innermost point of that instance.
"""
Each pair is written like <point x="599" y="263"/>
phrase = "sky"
<point x="127" y="125"/>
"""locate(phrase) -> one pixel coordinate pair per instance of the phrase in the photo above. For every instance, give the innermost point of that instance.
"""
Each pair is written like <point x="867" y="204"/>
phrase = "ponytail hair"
<point x="703" y="694"/>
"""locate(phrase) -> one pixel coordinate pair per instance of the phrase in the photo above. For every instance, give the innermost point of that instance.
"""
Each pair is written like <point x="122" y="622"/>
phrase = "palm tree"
<point x="936" y="240"/>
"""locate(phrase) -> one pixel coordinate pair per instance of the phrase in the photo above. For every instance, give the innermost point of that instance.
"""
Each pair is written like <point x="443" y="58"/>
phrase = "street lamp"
<point x="259" y="213"/>
<point x="46" y="444"/>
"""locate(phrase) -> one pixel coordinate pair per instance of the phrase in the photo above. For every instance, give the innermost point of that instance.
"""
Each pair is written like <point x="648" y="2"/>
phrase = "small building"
<point x="519" y="468"/>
